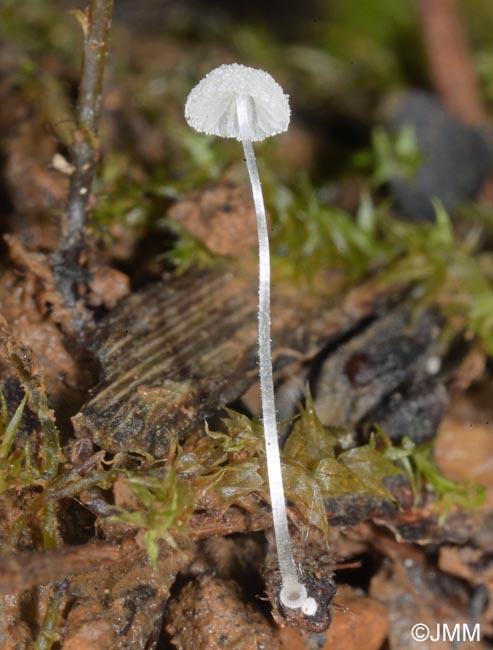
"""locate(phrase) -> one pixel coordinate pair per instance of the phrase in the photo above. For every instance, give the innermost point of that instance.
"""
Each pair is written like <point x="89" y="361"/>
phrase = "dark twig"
<point x="96" y="23"/>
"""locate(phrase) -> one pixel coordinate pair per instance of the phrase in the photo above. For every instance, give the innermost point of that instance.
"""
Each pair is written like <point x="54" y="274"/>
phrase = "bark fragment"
<point x="361" y="373"/>
<point x="176" y="352"/>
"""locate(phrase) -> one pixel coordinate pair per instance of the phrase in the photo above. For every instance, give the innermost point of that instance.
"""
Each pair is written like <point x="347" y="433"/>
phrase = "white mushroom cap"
<point x="212" y="105"/>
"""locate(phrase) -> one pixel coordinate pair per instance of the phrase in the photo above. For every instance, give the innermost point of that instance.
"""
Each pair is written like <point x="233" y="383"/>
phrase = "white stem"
<point x="293" y="593"/>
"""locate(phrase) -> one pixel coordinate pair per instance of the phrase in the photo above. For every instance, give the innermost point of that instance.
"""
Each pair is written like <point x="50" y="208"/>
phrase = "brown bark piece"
<point x="32" y="309"/>
<point x="223" y="218"/>
<point x="15" y="632"/>
<point x="470" y="370"/>
<point x="46" y="341"/>
<point x="464" y="451"/>
<point x="468" y="563"/>
<point x="35" y="188"/>
<point x="34" y="185"/>
<point x="358" y="375"/>
<point x="25" y="570"/>
<point x="108" y="286"/>
<point x="89" y="629"/>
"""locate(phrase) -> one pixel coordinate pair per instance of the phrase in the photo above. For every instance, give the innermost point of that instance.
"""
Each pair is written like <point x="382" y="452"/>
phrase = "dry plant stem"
<point x="31" y="568"/>
<point x="28" y="569"/>
<point x="449" y="59"/>
<point x="47" y="635"/>
<point x="96" y="24"/>
<point x="63" y="488"/>
<point x="278" y="501"/>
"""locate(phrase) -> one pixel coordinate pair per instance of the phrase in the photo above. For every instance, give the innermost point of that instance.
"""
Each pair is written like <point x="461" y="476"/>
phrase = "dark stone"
<point x="456" y="158"/>
<point x="415" y="413"/>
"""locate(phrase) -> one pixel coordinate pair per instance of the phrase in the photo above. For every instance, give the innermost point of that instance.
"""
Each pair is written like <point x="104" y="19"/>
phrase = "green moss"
<point x="319" y="464"/>
<point x="423" y="473"/>
<point x="326" y="464"/>
<point x="167" y="504"/>
<point x="40" y="27"/>
<point x="310" y="235"/>
<point x="188" y="251"/>
<point x="15" y="464"/>
<point x="49" y="634"/>
<point x="447" y="272"/>
<point x="446" y="269"/>
<point x="392" y="155"/>
<point x="231" y="467"/>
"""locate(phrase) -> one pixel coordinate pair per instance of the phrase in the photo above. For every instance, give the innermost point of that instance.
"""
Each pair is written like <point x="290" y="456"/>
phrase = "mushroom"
<point x="235" y="101"/>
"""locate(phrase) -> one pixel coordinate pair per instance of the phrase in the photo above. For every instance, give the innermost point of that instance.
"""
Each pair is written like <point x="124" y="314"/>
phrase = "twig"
<point x="233" y="521"/>
<point x="96" y="24"/>
<point x="29" y="569"/>
<point x="450" y="62"/>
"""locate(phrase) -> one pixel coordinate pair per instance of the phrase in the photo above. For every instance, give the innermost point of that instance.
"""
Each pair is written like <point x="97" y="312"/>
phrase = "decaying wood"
<point x="176" y="352"/>
<point x="460" y="527"/>
<point x="28" y="569"/>
<point x="234" y="520"/>
<point x="388" y="355"/>
<point x="167" y="354"/>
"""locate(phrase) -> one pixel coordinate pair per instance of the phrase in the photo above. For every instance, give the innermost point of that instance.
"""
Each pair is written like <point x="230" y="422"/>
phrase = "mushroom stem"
<point x="293" y="593"/>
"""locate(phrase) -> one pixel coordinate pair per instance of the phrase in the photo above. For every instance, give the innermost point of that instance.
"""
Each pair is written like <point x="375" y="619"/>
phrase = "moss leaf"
<point x="310" y="440"/>
<point x="167" y="505"/>
<point x="228" y="484"/>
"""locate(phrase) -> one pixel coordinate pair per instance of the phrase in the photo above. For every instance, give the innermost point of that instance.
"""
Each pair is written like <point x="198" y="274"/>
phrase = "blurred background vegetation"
<point x="341" y="62"/>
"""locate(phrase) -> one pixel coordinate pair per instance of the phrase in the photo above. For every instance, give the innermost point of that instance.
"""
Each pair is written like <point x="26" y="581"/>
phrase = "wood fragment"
<point x="359" y="374"/>
<point x="178" y="351"/>
<point x="450" y="61"/>
<point x="28" y="569"/>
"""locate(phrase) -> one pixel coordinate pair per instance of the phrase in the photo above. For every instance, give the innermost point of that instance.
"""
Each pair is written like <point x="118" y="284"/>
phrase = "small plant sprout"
<point x="234" y="101"/>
